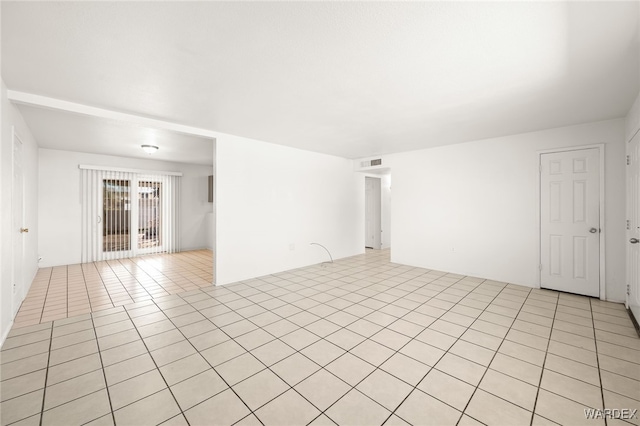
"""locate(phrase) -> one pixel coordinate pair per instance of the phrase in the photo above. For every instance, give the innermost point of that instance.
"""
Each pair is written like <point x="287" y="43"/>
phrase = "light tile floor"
<point x="360" y="341"/>
<point x="66" y="291"/>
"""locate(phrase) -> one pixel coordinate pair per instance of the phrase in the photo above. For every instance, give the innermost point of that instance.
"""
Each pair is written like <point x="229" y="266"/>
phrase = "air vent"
<point x="370" y="163"/>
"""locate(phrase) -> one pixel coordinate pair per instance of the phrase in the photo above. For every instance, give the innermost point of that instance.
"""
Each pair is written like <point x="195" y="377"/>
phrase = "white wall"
<point x="272" y="198"/>
<point x="471" y="208"/>
<point x="11" y="117"/>
<point x="60" y="203"/>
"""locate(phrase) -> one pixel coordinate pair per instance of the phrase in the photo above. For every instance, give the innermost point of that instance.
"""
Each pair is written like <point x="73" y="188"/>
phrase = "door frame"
<point x="377" y="211"/>
<point x="603" y="230"/>
<point x="630" y="285"/>
<point x="15" y="257"/>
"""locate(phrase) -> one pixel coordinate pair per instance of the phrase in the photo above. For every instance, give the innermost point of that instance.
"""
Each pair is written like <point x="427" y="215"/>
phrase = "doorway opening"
<point x="377" y="214"/>
<point x="372" y="213"/>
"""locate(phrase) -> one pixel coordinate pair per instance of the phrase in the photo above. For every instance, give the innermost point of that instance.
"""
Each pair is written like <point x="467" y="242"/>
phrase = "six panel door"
<point x="570" y="221"/>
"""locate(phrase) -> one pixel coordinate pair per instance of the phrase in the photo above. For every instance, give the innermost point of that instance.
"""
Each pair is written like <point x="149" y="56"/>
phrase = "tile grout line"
<point x="595" y="341"/>
<point x="104" y="373"/>
<point x="103" y="284"/>
<point x="44" y="303"/>
<point x="46" y="378"/>
<point x="544" y="361"/>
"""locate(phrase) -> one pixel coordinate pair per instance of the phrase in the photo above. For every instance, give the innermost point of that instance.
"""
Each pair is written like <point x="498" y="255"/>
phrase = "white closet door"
<point x="570" y="221"/>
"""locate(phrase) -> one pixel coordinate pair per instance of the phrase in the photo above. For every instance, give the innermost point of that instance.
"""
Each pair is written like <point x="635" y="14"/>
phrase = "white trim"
<point x="119" y="169"/>
<point x="214" y="211"/>
<point x="15" y="137"/>
<point x="603" y="263"/>
<point x="601" y="234"/>
<point x="538" y="223"/>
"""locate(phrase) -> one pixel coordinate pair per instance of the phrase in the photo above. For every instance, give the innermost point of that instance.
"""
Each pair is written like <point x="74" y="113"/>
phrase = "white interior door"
<point x="570" y="221"/>
<point x="18" y="229"/>
<point x="633" y="225"/>
<point x="372" y="216"/>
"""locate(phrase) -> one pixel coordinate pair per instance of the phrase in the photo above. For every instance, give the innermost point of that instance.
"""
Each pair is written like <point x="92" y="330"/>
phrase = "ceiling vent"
<point x="371" y="163"/>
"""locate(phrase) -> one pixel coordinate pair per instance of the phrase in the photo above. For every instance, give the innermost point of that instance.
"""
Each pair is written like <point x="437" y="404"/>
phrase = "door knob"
<point x="593" y="230"/>
<point x="634" y="241"/>
<point x="23" y="230"/>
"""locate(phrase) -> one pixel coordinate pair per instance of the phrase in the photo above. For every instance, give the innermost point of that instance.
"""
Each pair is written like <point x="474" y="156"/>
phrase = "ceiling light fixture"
<point x="149" y="149"/>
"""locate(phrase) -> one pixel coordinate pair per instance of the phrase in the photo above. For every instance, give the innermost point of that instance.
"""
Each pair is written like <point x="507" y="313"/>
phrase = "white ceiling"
<point x="56" y="129"/>
<point x="347" y="78"/>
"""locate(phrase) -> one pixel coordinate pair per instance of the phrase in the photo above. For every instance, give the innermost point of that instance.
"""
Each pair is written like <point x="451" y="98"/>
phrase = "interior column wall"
<point x="273" y="201"/>
<point x="11" y="118"/>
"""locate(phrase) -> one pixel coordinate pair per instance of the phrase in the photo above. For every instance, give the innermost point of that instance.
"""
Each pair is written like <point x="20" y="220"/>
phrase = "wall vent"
<point x="370" y="163"/>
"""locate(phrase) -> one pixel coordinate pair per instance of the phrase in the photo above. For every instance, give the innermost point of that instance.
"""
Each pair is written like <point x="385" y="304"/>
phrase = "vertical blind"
<point x="126" y="213"/>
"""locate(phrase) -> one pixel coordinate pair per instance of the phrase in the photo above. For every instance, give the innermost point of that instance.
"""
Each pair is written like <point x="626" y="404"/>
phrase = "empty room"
<point x="320" y="213"/>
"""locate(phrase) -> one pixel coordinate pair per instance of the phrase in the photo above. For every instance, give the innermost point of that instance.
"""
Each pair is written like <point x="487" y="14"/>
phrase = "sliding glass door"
<point x="116" y="215"/>
<point x="125" y="214"/>
<point x="131" y="217"/>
